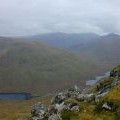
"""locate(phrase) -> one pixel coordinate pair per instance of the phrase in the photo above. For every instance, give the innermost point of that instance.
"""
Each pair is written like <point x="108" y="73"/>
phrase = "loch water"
<point x="97" y="78"/>
<point x="15" y="96"/>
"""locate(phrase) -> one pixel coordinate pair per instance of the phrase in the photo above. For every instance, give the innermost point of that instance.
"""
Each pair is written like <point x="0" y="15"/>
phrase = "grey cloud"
<point x="25" y="17"/>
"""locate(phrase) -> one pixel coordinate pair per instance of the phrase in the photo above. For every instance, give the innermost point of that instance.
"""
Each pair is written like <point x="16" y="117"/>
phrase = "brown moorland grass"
<point x="16" y="110"/>
<point x="114" y="95"/>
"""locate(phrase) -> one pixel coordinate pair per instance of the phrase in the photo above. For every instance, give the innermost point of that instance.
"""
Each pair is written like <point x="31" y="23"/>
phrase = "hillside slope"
<point x="100" y="102"/>
<point x="12" y="110"/>
<point x="37" y="68"/>
<point x="104" y="50"/>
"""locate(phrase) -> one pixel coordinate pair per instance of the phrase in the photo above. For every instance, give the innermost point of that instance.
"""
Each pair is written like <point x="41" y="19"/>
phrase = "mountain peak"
<point x="113" y="34"/>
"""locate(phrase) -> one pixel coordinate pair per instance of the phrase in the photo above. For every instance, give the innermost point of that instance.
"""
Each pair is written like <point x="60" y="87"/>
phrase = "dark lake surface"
<point x="97" y="78"/>
<point x="15" y="96"/>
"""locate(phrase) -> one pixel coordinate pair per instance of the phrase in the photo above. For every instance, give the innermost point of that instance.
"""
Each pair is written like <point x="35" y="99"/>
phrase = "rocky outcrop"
<point x="115" y="72"/>
<point x="108" y="106"/>
<point x="54" y="117"/>
<point x="39" y="111"/>
<point x="69" y="99"/>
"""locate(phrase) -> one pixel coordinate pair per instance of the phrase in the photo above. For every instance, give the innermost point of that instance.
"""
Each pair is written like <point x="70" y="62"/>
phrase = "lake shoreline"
<point x="15" y="96"/>
<point x="97" y="79"/>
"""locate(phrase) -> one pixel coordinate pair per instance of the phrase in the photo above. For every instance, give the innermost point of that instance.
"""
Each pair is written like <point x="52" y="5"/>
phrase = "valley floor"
<point x="18" y="110"/>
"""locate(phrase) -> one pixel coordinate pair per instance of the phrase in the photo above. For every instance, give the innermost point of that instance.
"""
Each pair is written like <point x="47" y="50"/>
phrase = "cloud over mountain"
<point x="24" y="17"/>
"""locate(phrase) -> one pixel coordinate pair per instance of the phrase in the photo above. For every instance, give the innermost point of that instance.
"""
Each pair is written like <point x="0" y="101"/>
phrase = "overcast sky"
<point x="26" y="17"/>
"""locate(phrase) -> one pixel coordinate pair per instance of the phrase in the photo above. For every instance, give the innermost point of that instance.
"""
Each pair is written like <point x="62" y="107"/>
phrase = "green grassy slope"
<point x="39" y="69"/>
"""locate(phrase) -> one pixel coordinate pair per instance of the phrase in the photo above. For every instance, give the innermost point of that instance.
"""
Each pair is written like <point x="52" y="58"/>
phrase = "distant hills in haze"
<point x="30" y="66"/>
<point x="64" y="40"/>
<point x="102" y="49"/>
<point x="49" y="62"/>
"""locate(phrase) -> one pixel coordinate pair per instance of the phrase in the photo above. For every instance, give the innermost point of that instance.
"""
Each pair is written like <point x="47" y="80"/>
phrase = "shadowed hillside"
<point x="39" y="69"/>
<point x="104" y="50"/>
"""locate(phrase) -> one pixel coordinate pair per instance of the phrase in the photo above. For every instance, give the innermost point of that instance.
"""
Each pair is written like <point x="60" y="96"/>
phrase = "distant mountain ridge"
<point x="102" y="49"/>
<point x="39" y="66"/>
<point x="64" y="40"/>
<point x="30" y="66"/>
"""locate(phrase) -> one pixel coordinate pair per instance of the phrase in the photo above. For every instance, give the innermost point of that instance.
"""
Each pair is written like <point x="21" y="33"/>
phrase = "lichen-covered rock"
<point x="89" y="97"/>
<point x="59" y="98"/>
<point x="39" y="111"/>
<point x="108" y="106"/>
<point x="60" y="107"/>
<point x="75" y="108"/>
<point x="98" y="97"/>
<point x="115" y="72"/>
<point x="55" y="117"/>
<point x="68" y="102"/>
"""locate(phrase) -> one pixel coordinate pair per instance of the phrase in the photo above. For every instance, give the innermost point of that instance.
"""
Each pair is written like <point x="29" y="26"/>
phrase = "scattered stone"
<point x="76" y="89"/>
<point x="55" y="117"/>
<point x="80" y="97"/>
<point x="58" y="99"/>
<point x="60" y="107"/>
<point x="114" y="73"/>
<point x="108" y="106"/>
<point x="68" y="100"/>
<point x="75" y="108"/>
<point x="89" y="97"/>
<point x="98" y="97"/>
<point x="39" y="111"/>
